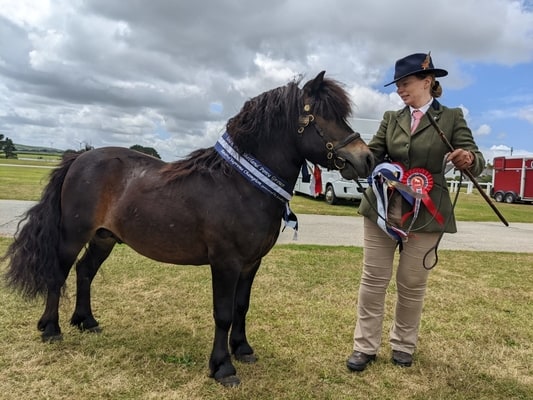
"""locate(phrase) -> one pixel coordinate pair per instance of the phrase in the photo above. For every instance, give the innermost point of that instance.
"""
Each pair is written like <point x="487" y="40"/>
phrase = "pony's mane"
<point x="259" y="120"/>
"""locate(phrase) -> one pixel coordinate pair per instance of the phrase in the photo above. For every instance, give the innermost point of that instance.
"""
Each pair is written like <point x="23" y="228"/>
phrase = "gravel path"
<point x="348" y="231"/>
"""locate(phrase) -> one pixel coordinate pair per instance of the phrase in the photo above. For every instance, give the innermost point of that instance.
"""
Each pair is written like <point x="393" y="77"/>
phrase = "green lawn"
<point x="23" y="182"/>
<point x="470" y="207"/>
<point x="475" y="340"/>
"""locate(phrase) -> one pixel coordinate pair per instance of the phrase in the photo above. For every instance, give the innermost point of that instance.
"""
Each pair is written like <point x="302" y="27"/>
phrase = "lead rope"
<point x="435" y="248"/>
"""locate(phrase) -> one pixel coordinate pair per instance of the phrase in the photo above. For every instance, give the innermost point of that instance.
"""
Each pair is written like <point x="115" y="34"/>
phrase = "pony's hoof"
<point x="246" y="358"/>
<point x="229" y="381"/>
<point x="85" y="324"/>
<point x="94" y="329"/>
<point x="52" y="338"/>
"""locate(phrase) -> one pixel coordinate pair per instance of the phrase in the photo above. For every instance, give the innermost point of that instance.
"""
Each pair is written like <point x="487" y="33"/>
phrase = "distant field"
<point x="26" y="182"/>
<point x="25" y="178"/>
<point x="23" y="182"/>
<point x="32" y="159"/>
<point x="26" y="156"/>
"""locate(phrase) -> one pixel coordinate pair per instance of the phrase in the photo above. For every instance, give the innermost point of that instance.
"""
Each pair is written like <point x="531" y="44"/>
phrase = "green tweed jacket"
<point x="423" y="149"/>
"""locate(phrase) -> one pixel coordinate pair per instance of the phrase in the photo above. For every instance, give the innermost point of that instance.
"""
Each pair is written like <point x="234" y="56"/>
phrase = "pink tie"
<point x="417" y="116"/>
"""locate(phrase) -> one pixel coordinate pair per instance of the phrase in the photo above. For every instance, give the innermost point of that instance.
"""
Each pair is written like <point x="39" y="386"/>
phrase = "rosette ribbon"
<point x="414" y="186"/>
<point x="420" y="181"/>
<point x="383" y="178"/>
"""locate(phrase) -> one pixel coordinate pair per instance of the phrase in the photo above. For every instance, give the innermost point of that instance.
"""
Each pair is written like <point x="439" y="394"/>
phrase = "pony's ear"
<point x="313" y="86"/>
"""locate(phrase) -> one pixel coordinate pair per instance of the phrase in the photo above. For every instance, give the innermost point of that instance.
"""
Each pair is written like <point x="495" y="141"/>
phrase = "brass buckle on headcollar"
<point x="334" y="160"/>
<point x="305" y="120"/>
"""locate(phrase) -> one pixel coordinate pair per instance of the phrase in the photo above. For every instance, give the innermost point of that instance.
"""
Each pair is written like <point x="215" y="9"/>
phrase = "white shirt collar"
<point x="424" y="108"/>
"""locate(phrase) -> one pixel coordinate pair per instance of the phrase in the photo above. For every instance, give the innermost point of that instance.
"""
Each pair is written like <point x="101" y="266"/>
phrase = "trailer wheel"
<point x="330" y="196"/>
<point x="498" y="196"/>
<point x="510" y="197"/>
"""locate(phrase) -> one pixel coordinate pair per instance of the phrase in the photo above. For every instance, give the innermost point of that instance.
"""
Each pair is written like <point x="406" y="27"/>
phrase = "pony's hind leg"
<point x="49" y="322"/>
<point x="96" y="253"/>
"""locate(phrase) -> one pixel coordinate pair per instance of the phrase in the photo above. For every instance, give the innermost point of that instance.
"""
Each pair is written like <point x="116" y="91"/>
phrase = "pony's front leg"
<point x="239" y="345"/>
<point x="224" y="281"/>
<point x="49" y="322"/>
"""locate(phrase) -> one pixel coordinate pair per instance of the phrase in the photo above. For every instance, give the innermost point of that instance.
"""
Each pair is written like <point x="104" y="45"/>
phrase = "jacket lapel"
<point x="403" y="117"/>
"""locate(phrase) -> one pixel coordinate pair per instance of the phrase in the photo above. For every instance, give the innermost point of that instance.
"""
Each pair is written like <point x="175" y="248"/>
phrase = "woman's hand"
<point x="461" y="159"/>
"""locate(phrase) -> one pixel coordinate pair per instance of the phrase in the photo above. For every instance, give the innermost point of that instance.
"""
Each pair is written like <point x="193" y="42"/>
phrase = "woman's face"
<point x="414" y="92"/>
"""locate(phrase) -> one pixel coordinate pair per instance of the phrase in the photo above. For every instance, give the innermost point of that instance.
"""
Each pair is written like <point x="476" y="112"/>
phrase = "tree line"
<point x="8" y="148"/>
<point x="142" y="149"/>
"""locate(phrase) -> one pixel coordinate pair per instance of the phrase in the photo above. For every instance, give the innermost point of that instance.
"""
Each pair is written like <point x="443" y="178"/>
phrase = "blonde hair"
<point x="436" y="88"/>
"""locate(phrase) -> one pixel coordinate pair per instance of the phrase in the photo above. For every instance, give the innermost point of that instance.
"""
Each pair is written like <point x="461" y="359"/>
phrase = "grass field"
<point x="475" y="340"/>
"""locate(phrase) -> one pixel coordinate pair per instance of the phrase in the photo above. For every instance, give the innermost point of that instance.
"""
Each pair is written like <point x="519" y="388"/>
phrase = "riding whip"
<point x="467" y="172"/>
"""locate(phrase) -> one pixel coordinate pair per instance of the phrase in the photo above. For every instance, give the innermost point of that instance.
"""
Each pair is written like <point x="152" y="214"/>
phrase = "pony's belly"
<point x="181" y="253"/>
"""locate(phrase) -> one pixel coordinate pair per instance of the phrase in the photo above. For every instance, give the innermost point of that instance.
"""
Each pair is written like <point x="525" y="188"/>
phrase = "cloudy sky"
<point x="169" y="73"/>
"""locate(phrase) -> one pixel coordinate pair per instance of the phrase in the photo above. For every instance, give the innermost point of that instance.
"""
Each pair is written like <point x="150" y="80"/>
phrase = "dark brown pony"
<point x="197" y="211"/>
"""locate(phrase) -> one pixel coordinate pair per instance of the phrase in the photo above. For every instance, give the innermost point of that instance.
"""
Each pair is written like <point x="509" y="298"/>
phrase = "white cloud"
<point x="466" y="112"/>
<point x="526" y="113"/>
<point x="25" y="12"/>
<point x="483" y="130"/>
<point x="105" y="73"/>
<point x="500" y="148"/>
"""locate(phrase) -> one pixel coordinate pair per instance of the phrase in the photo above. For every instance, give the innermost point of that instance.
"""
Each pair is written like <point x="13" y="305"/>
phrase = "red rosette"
<point x="418" y="179"/>
<point x="421" y="181"/>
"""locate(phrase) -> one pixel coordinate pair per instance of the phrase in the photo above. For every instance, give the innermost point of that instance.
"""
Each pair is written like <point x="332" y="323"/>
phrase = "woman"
<point x="412" y="154"/>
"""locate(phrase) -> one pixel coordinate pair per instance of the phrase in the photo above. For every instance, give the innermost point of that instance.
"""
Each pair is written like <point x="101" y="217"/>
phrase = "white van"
<point x="333" y="188"/>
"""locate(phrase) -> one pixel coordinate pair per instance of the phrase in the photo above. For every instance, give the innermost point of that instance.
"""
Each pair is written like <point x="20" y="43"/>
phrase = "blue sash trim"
<point x="389" y="175"/>
<point x="290" y="220"/>
<point x="259" y="176"/>
<point x="383" y="177"/>
<point x="252" y="169"/>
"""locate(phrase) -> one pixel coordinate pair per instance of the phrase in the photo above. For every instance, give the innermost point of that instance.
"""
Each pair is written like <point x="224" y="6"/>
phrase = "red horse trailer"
<point x="512" y="179"/>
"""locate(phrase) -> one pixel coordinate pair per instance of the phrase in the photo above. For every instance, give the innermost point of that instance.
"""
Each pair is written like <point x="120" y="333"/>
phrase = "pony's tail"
<point x="33" y="255"/>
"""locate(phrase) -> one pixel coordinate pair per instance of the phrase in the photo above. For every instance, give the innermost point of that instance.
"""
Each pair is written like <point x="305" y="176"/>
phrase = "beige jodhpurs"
<point x="411" y="278"/>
